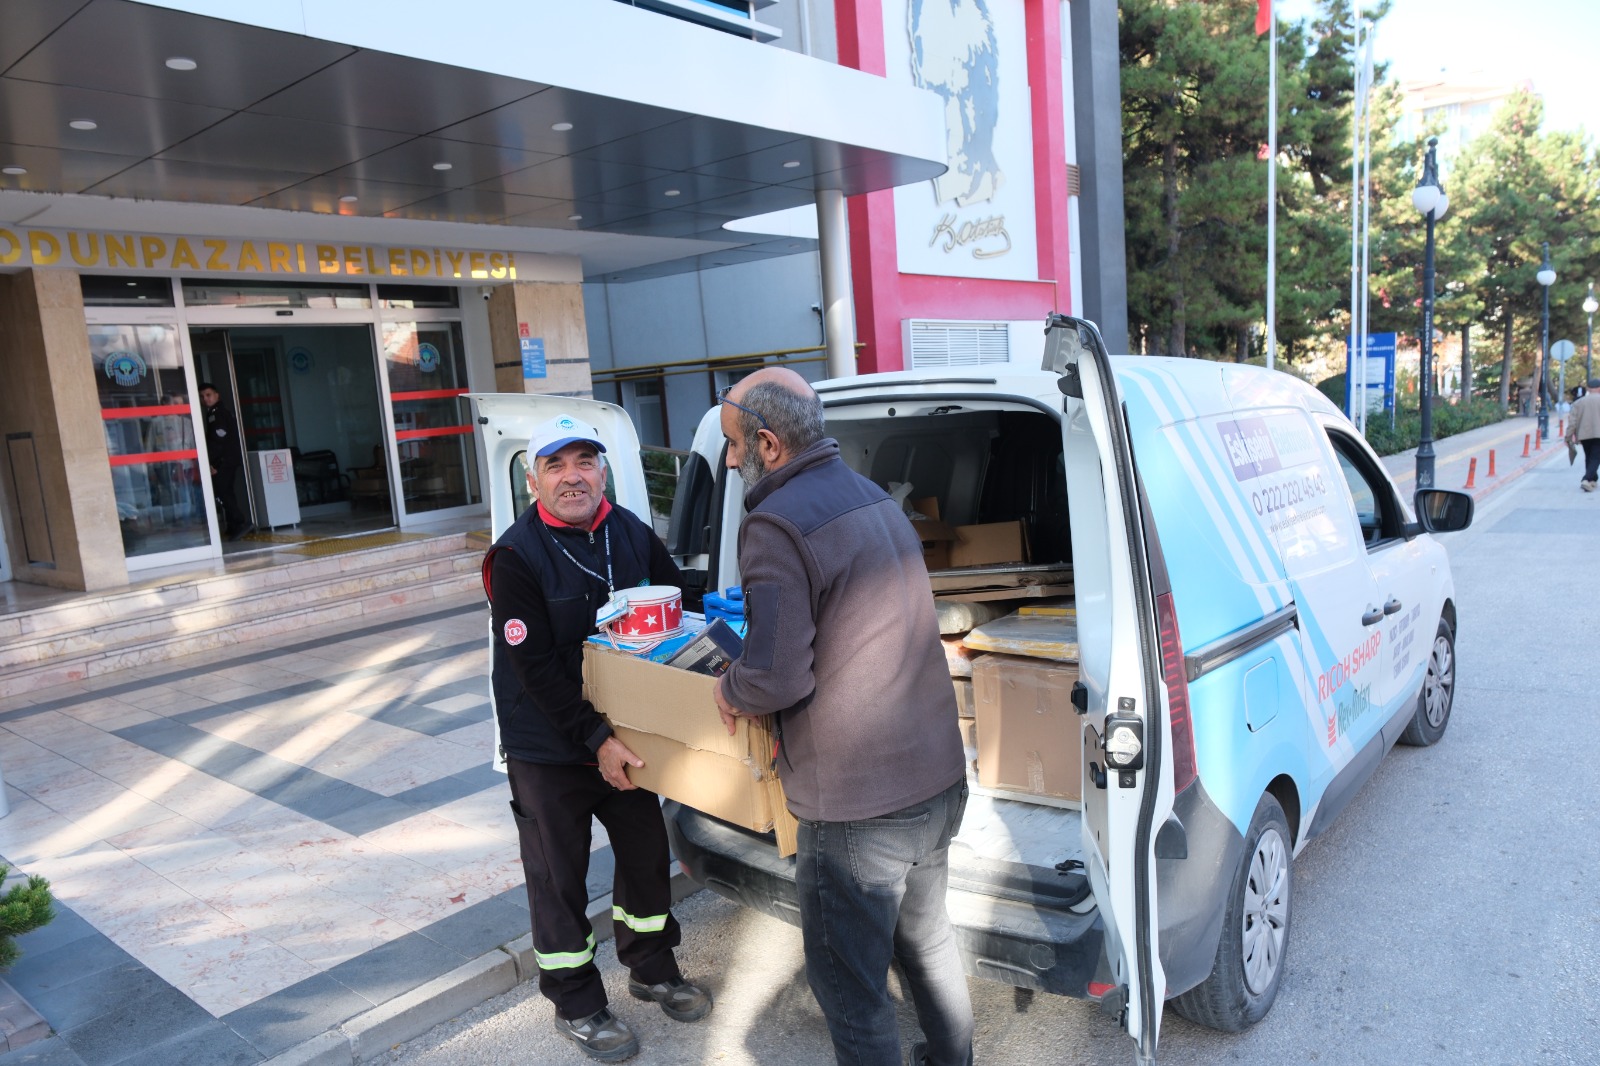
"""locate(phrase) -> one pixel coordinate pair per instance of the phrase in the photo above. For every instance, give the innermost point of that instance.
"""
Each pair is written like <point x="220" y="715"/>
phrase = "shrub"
<point x="25" y="908"/>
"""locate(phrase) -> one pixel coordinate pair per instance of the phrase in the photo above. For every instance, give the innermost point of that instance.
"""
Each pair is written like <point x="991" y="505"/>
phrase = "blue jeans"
<point x="871" y="891"/>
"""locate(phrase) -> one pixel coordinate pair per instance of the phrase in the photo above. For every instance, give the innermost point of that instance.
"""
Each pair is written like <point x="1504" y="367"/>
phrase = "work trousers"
<point x="553" y="806"/>
<point x="1591" y="458"/>
<point x="870" y="891"/>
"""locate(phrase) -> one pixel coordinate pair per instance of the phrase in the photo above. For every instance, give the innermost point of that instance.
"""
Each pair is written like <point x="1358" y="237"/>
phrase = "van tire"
<point x="1250" y="958"/>
<point x="1438" y="693"/>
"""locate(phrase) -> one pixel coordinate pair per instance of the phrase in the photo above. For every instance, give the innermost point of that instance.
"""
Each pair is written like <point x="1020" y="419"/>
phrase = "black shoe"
<point x="679" y="1000"/>
<point x="602" y="1035"/>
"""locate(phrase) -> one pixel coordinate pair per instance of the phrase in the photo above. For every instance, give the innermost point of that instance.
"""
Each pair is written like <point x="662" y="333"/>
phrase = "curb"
<point x="1484" y="491"/>
<point x="413" y="1013"/>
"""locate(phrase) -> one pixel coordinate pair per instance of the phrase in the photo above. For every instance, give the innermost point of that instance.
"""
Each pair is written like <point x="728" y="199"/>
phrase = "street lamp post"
<point x="1590" y="306"/>
<point x="1547" y="278"/>
<point x="1429" y="198"/>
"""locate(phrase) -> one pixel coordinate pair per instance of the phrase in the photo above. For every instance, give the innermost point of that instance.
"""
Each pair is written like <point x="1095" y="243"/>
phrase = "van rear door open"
<point x="506" y="420"/>
<point x="1127" y="736"/>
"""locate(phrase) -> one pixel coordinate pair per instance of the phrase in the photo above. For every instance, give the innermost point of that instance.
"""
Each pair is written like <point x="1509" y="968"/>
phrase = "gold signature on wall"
<point x="966" y="233"/>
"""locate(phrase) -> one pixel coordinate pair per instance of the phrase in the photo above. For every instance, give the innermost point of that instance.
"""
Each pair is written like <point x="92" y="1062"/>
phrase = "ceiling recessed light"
<point x="181" y="63"/>
<point x="13" y="170"/>
<point x="790" y="164"/>
<point x="83" y="124"/>
<point x="574" y="218"/>
<point x="349" y="199"/>
<point x="561" y="127"/>
<point x="142" y="296"/>
<point x="133" y="284"/>
<point x="444" y="166"/>
<point x="672" y="192"/>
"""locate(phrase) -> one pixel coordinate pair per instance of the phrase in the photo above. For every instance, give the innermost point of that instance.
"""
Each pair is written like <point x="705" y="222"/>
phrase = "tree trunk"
<point x="1466" y="365"/>
<point x="1505" y="368"/>
<point x="1241" y="352"/>
<point x="1177" y="340"/>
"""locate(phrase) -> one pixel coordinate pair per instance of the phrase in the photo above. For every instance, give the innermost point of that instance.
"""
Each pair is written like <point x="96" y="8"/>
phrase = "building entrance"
<point x="312" y="390"/>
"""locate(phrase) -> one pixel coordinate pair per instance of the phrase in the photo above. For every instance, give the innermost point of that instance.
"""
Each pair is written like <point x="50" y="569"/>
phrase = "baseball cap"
<point x="550" y="437"/>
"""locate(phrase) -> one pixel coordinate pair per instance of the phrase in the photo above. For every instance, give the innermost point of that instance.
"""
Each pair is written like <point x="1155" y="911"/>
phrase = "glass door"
<point x="163" y="503"/>
<point x="427" y="377"/>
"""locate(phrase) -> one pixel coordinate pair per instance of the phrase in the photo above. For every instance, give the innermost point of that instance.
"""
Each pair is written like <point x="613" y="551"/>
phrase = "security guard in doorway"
<point x="546" y="577"/>
<point x="226" y="452"/>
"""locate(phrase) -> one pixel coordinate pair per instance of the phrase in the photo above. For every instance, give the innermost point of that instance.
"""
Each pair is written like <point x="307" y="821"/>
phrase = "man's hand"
<point x="615" y="758"/>
<point x="730" y="713"/>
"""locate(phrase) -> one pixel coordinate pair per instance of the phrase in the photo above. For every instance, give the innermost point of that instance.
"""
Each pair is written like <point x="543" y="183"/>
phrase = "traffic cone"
<point x="1538" y="442"/>
<point x="1524" y="445"/>
<point x="1491" y="462"/>
<point x="1472" y="472"/>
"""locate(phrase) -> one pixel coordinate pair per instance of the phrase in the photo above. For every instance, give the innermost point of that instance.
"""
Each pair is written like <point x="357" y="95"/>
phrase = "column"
<point x="540" y="339"/>
<point x="61" y="511"/>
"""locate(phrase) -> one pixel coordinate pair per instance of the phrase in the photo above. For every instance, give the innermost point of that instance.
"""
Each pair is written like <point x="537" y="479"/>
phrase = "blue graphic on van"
<point x="126" y="368"/>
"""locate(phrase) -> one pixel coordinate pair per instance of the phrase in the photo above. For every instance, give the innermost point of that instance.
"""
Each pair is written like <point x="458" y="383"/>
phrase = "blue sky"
<point x="1556" y="43"/>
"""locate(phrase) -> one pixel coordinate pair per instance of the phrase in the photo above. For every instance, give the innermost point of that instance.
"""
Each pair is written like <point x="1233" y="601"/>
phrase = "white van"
<point x="1260" y="617"/>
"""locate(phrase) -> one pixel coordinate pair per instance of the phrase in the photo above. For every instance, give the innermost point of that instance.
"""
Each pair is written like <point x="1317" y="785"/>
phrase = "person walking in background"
<point x="843" y="647"/>
<point x="545" y="578"/>
<point x="1583" y="428"/>
<point x="226" y="454"/>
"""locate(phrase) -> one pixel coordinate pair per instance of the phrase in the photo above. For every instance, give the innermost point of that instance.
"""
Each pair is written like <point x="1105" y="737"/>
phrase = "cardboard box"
<point x="688" y="754"/>
<point x="988" y="544"/>
<point x="945" y="546"/>
<point x="965" y="707"/>
<point x="936" y="535"/>
<point x="1030" y="737"/>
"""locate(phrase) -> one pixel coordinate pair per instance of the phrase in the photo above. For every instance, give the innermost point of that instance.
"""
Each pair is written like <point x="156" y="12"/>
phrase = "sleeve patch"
<point x="515" y="631"/>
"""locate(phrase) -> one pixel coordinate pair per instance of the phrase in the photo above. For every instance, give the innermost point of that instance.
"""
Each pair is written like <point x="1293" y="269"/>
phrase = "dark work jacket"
<point x="843" y="643"/>
<point x="549" y="603"/>
<point x="223" y="446"/>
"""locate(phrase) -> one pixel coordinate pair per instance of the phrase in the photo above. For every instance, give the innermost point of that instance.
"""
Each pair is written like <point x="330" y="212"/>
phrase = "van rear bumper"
<point x="1030" y="944"/>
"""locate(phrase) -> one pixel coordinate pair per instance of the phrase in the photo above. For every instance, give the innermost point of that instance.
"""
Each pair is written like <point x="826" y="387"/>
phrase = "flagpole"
<point x="1272" y="185"/>
<point x="1366" y="201"/>
<point x="1357" y="400"/>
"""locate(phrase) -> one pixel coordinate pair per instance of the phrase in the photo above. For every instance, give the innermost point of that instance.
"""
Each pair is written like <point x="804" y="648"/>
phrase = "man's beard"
<point x="751" y="468"/>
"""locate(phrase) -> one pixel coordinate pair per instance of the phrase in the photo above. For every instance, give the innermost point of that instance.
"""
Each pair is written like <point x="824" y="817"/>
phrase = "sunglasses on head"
<point x="722" y="397"/>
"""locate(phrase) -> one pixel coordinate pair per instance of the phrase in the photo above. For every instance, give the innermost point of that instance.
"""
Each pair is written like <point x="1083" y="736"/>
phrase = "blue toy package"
<point x="727" y="605"/>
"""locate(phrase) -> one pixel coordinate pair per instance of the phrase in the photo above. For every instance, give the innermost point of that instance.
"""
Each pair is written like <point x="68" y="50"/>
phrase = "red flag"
<point x="1263" y="16"/>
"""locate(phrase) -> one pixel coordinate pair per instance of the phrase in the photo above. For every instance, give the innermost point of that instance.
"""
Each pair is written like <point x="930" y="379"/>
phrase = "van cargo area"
<point x="985" y="484"/>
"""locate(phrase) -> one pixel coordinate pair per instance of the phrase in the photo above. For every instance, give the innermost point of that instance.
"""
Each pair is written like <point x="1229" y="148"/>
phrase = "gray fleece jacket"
<point x="842" y="644"/>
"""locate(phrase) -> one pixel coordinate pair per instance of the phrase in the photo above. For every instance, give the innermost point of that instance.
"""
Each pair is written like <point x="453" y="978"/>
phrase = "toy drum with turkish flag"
<point x="643" y="615"/>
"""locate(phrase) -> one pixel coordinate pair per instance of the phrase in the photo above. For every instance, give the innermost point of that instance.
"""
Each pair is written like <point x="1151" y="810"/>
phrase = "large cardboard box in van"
<point x="1030" y="738"/>
<point x="945" y="546"/>
<point x="669" y="719"/>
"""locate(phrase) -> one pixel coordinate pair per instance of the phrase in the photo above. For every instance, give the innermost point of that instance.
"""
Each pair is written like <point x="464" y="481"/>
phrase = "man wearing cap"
<point x="1583" y="427"/>
<point x="546" y="577"/>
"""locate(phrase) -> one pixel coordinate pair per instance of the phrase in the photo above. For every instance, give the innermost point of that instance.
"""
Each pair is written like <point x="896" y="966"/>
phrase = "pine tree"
<point x="23" y="909"/>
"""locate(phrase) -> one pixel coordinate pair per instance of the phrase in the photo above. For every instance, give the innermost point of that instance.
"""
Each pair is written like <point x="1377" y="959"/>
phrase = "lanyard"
<point x="610" y="585"/>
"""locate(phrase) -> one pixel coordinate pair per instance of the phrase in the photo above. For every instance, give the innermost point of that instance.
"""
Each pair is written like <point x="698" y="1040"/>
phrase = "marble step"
<point x="206" y="620"/>
<point x="146" y="600"/>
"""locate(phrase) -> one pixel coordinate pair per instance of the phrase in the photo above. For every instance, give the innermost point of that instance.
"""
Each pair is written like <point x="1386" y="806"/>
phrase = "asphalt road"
<point x="1450" y="916"/>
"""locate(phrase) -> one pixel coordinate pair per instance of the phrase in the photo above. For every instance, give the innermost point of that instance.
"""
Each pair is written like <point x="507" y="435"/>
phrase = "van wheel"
<point x="1438" y="692"/>
<point x="1255" y="931"/>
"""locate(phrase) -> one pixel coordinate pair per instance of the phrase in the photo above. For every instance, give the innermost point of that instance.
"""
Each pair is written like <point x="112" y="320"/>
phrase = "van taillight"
<point x="1172" y="672"/>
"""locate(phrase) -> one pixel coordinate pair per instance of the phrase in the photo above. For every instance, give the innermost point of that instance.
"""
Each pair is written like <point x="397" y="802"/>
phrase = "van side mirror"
<point x="1443" y="510"/>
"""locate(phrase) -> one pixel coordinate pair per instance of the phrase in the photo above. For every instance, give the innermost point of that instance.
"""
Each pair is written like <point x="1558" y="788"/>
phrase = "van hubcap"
<point x="1440" y="684"/>
<point x="1266" y="912"/>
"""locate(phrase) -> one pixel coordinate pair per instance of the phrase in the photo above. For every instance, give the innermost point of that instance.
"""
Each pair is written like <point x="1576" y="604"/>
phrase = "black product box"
<point x="712" y="652"/>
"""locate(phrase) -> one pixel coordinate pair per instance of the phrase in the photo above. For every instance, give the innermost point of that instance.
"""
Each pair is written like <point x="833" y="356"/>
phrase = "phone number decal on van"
<point x="1290" y="492"/>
